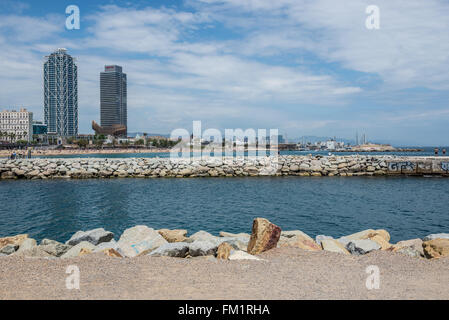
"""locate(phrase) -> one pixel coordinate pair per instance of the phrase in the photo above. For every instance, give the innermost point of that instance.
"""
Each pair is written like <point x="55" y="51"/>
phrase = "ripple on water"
<point x="407" y="207"/>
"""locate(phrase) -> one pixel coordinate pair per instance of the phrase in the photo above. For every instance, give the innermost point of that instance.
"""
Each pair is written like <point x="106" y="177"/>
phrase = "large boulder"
<point x="436" y="248"/>
<point x="238" y="243"/>
<point x="321" y="237"/>
<point x="27" y="244"/>
<point x="53" y="247"/>
<point x="178" y="235"/>
<point x="202" y="248"/>
<point x="384" y="245"/>
<point x="35" y="252"/>
<point x="265" y="236"/>
<point x="112" y="253"/>
<point x="362" y="246"/>
<point x="95" y="236"/>
<point x="295" y="233"/>
<point x="411" y="247"/>
<point x="333" y="245"/>
<point x="410" y="251"/>
<point x="81" y="247"/>
<point x="223" y="251"/>
<point x="14" y="240"/>
<point x="436" y="236"/>
<point x="139" y="240"/>
<point x="234" y="235"/>
<point x="9" y="249"/>
<point x="201" y="236"/>
<point x="299" y="241"/>
<point x="366" y="234"/>
<point x="172" y="249"/>
<point x="241" y="255"/>
<point x="106" y="246"/>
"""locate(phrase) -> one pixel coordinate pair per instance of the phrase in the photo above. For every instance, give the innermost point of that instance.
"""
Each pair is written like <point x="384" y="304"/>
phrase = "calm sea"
<point x="408" y="207"/>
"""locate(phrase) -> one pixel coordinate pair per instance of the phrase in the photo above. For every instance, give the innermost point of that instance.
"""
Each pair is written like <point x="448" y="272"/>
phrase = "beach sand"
<point x="72" y="152"/>
<point x="286" y="273"/>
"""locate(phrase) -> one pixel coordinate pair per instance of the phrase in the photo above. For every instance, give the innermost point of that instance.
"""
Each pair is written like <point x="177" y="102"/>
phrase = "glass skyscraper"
<point x="113" y="105"/>
<point x="61" y="94"/>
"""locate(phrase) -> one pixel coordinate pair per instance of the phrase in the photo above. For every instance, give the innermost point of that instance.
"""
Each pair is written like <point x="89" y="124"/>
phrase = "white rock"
<point x="139" y="240"/>
<point x="241" y="255"/>
<point x="436" y="236"/>
<point x="27" y="244"/>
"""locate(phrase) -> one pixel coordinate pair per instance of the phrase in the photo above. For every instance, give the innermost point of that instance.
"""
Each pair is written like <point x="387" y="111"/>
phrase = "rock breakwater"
<point x="354" y="165"/>
<point x="142" y="240"/>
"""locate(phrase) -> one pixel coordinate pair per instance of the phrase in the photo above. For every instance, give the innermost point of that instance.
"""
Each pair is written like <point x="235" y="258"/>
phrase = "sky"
<point x="300" y="66"/>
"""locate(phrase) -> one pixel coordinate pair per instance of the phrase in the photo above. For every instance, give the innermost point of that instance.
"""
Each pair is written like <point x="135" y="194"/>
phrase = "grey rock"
<point x="411" y="252"/>
<point x="238" y="243"/>
<point x="54" y="248"/>
<point x="436" y="236"/>
<point x="35" y="252"/>
<point x="360" y="247"/>
<point x="202" y="248"/>
<point x="201" y="236"/>
<point x="344" y="241"/>
<point x="234" y="235"/>
<point x="174" y="249"/>
<point x="27" y="244"/>
<point x="107" y="245"/>
<point x="75" y="250"/>
<point x="95" y="236"/>
<point x="9" y="249"/>
<point x="321" y="237"/>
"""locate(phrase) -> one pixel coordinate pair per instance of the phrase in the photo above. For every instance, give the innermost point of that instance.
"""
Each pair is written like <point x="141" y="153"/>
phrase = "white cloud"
<point x="411" y="48"/>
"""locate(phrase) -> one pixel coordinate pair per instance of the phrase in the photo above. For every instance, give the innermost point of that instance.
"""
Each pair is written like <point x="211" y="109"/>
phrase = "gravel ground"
<point x="286" y="273"/>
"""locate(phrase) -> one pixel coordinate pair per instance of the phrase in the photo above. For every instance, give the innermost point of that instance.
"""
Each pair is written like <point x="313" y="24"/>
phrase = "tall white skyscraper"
<point x="61" y="94"/>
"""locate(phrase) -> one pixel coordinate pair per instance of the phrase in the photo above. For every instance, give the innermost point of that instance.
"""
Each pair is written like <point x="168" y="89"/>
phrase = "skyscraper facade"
<point x="113" y="97"/>
<point x="61" y="94"/>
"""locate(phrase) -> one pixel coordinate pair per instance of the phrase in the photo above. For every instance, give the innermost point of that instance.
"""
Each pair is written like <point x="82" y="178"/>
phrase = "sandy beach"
<point x="66" y="152"/>
<point x="286" y="273"/>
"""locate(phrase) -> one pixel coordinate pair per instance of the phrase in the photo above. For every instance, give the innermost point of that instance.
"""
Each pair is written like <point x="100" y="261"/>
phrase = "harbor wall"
<point x="351" y="165"/>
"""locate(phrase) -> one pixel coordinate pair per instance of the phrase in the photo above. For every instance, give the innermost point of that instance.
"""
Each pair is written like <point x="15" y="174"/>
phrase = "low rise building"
<point x="16" y="125"/>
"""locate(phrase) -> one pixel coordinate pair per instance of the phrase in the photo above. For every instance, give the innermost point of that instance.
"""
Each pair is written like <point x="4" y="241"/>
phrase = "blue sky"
<point x="303" y="67"/>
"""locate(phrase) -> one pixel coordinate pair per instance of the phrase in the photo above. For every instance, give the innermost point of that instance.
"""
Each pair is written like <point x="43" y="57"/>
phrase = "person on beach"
<point x="444" y="152"/>
<point x="436" y="151"/>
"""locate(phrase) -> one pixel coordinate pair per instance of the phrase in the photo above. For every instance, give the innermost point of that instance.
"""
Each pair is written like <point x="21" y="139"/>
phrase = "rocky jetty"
<point x="142" y="240"/>
<point x="354" y="165"/>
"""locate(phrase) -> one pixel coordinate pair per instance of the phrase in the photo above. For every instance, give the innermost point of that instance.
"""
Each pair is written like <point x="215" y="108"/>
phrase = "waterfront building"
<point x="16" y="125"/>
<point x="39" y="132"/>
<point x="113" y="99"/>
<point x="61" y="94"/>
